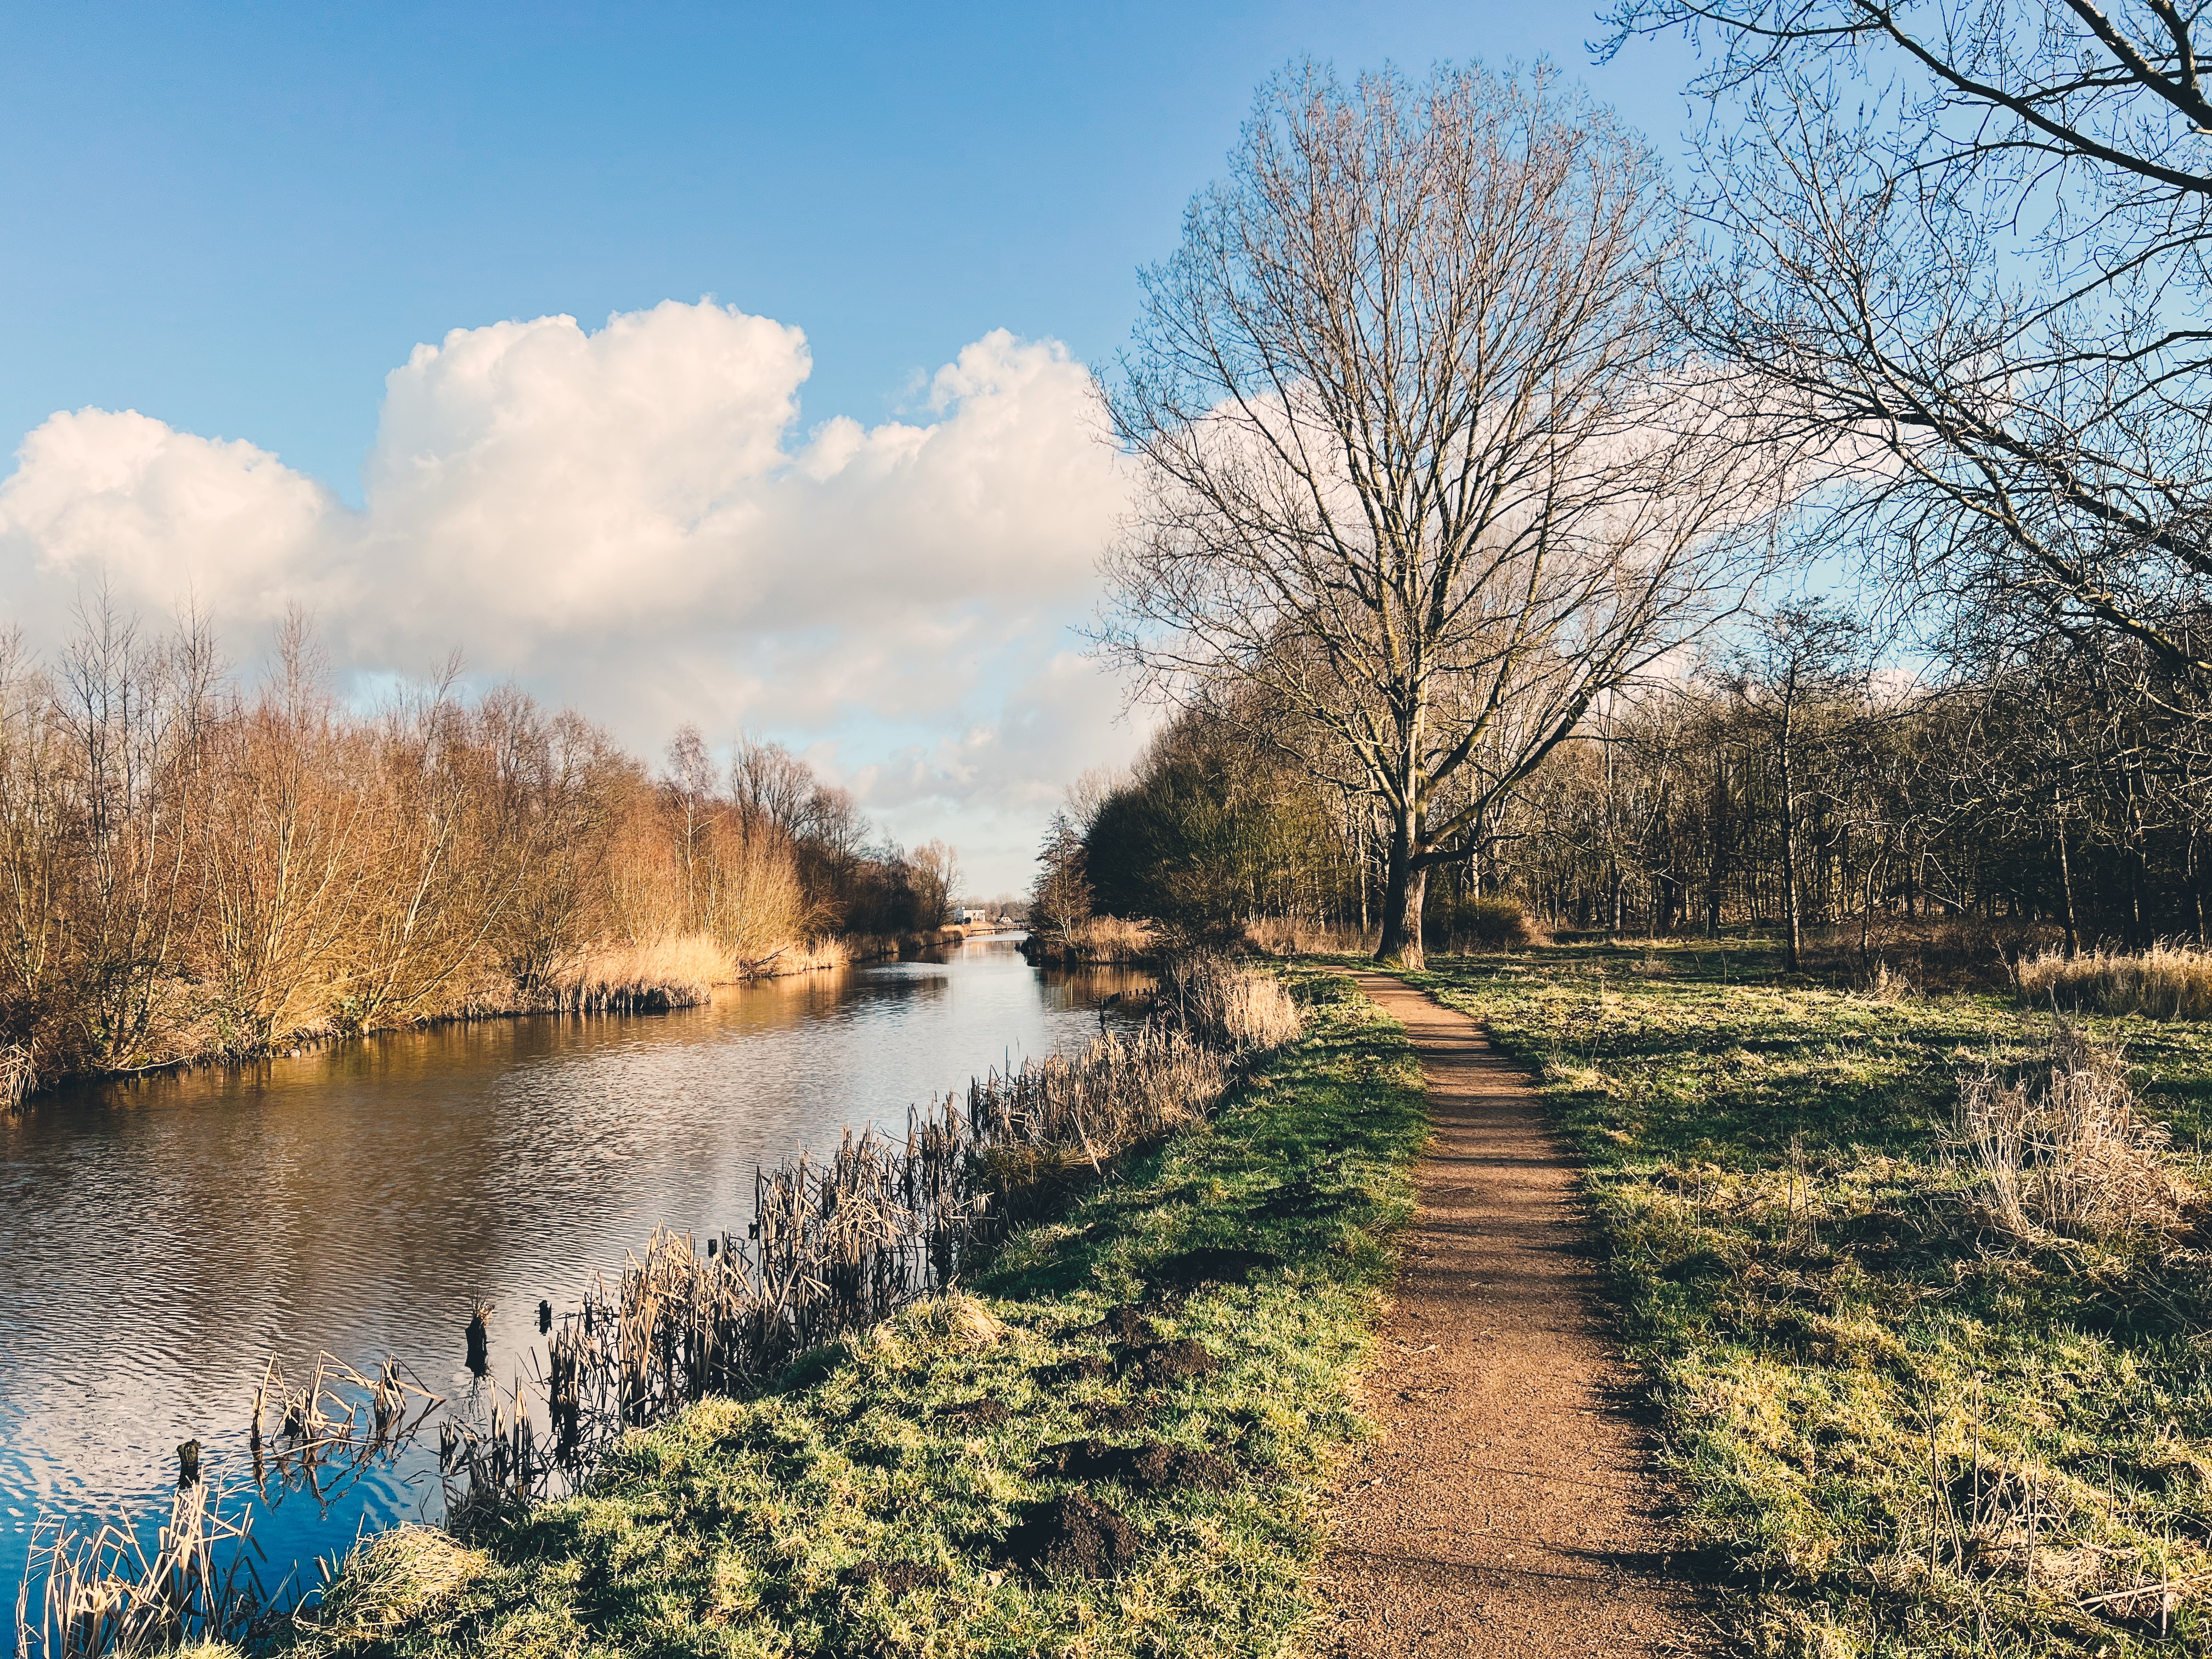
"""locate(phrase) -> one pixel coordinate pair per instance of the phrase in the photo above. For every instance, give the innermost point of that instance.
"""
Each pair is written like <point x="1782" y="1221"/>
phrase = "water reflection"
<point x="158" y="1240"/>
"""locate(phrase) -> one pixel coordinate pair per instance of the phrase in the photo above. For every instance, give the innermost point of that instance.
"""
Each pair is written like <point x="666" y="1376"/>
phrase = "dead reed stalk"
<point x="106" y="1593"/>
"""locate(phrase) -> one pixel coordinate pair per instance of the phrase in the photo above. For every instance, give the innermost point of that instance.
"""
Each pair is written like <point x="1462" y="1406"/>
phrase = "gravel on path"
<point x="1508" y="1507"/>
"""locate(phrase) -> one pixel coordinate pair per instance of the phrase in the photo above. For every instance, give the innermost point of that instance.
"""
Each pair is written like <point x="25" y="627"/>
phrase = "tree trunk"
<point x="1403" y="891"/>
<point x="1794" y="912"/>
<point x="2066" y="891"/>
<point x="1717" y="873"/>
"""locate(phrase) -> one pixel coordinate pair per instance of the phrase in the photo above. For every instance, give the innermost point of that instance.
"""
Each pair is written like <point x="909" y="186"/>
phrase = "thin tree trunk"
<point x="2066" y="890"/>
<point x="1794" y="912"/>
<point x="1718" y="872"/>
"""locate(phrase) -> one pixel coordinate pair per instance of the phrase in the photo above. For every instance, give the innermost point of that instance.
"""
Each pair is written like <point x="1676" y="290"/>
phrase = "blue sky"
<point x="239" y="221"/>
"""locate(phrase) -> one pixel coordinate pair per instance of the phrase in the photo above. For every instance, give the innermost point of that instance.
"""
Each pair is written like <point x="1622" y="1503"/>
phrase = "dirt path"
<point x="1506" y="1509"/>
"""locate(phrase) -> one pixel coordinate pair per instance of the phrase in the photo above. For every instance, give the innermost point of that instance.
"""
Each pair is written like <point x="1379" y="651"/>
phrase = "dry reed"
<point x="2062" y="1149"/>
<point x="2167" y="981"/>
<point x="106" y="1593"/>
<point x="645" y="977"/>
<point x="1099" y="941"/>
<point x="1299" y="936"/>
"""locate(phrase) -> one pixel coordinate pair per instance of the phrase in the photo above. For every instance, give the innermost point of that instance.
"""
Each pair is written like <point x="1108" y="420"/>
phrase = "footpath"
<point x="1507" y="1508"/>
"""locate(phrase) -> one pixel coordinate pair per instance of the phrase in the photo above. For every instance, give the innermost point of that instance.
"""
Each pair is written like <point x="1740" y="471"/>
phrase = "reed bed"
<point x="642" y="976"/>
<point x="839" y="1243"/>
<point x="1097" y="941"/>
<point x="2167" y="981"/>
<point x="106" y="1593"/>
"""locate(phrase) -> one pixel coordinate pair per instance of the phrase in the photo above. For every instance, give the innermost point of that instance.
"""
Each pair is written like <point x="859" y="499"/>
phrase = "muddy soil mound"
<point x="1153" y="1467"/>
<point x="1213" y="1265"/>
<point x="1074" y="1535"/>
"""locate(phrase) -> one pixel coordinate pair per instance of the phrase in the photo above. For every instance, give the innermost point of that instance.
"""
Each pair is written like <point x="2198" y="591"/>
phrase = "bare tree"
<point x="1803" y="656"/>
<point x="1968" y="240"/>
<point x="934" y="870"/>
<point x="772" y="786"/>
<point x="1418" y="455"/>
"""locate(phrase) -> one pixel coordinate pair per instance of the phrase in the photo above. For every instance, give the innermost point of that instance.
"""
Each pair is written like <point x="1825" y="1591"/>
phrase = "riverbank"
<point x="1898" y="1420"/>
<point x="1100" y="942"/>
<point x="1150" y="1385"/>
<point x="656" y="977"/>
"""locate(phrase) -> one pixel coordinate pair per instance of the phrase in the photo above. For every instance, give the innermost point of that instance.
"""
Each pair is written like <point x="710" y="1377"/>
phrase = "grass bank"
<point x="1897" y="1428"/>
<point x="1152" y="1384"/>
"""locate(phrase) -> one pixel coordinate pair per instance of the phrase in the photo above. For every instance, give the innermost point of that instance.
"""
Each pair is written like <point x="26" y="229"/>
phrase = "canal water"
<point x="160" y="1240"/>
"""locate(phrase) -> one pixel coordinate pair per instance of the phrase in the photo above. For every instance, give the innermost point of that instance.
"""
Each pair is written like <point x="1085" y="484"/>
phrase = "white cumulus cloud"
<point x="633" y="522"/>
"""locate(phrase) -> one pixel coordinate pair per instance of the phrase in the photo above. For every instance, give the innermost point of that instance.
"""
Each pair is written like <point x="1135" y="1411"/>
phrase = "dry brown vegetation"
<point x="1097" y="941"/>
<point x="191" y="868"/>
<point x="2166" y="982"/>
<point x="2063" y="1148"/>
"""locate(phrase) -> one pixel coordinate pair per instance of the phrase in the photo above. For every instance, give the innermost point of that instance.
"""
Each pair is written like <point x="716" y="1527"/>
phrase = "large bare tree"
<point x="1968" y="239"/>
<point x="1418" y="455"/>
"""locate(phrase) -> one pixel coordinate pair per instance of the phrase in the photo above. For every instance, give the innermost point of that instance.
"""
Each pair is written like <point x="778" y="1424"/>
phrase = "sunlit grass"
<point x="1897" y="1429"/>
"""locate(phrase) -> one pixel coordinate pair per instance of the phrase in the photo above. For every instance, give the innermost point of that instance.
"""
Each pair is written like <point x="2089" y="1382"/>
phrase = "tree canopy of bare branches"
<point x="1419" y="455"/>
<point x="1967" y="239"/>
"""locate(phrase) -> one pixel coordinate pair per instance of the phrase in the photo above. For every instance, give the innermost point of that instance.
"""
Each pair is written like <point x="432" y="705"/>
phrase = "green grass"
<point x="738" y="1528"/>
<point x="1843" y="1356"/>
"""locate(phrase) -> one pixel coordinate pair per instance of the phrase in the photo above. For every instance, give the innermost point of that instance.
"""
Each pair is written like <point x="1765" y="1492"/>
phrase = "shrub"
<point x="1486" y="924"/>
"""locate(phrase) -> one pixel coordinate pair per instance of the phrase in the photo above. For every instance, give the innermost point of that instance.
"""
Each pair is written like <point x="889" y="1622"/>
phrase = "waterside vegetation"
<point x="1114" y="1439"/>
<point x="195" y="868"/>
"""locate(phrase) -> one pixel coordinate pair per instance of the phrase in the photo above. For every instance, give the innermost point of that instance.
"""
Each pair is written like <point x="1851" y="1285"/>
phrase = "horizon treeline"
<point x="195" y="867"/>
<point x="1789" y="781"/>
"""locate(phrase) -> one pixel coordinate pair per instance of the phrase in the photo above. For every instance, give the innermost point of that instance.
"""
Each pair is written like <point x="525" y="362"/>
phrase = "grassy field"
<point x="1897" y="1427"/>
<point x="925" y="1489"/>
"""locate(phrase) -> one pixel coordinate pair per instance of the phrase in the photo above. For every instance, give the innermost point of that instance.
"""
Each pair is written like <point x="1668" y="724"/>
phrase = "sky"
<point x="723" y="364"/>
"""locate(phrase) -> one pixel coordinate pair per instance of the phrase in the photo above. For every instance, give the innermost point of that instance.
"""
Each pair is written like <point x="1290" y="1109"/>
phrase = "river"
<point x="161" y="1239"/>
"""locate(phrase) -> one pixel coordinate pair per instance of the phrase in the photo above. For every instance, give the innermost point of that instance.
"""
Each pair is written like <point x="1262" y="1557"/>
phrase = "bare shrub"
<point x="2167" y="981"/>
<point x="1491" y="924"/>
<point x="2062" y="1149"/>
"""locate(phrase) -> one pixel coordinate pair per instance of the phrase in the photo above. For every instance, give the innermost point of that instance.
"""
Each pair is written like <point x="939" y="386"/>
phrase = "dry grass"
<point x="1922" y="957"/>
<point x="2063" y="1148"/>
<point x="2167" y="981"/>
<point x="1114" y="938"/>
<point x="1227" y="1008"/>
<point x="1296" y="936"/>
<point x="675" y="972"/>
